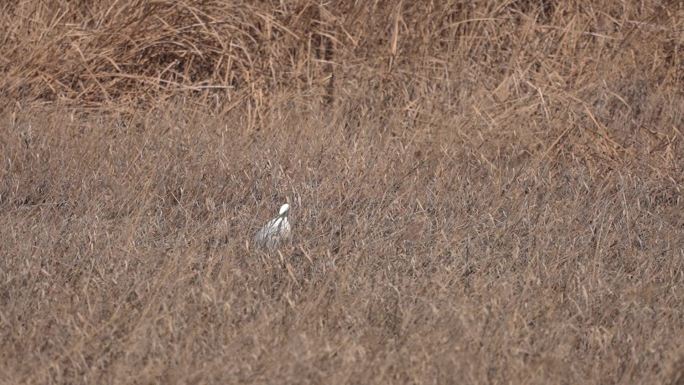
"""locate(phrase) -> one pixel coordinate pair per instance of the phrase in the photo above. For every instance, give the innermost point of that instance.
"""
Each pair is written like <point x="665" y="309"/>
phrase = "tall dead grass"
<point x="482" y="192"/>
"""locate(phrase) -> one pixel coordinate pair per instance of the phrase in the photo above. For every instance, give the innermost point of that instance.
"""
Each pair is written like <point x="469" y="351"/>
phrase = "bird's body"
<point x="275" y="231"/>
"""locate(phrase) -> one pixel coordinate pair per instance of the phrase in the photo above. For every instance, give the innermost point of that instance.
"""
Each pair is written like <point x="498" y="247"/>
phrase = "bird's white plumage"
<point x="275" y="231"/>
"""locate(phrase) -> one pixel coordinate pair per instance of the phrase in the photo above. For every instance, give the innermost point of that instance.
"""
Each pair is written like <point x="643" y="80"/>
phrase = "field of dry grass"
<point x="481" y="192"/>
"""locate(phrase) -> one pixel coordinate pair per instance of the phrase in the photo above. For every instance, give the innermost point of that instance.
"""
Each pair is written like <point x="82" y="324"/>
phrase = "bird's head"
<point x="284" y="209"/>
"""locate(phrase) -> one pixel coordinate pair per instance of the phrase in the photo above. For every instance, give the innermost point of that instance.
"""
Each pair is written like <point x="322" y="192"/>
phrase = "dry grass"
<point x="485" y="192"/>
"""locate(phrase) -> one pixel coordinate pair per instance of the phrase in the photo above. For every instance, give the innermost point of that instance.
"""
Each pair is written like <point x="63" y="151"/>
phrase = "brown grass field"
<point x="484" y="192"/>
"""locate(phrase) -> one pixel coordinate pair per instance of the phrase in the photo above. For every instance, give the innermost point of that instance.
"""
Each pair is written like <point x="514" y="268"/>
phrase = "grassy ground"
<point x="481" y="193"/>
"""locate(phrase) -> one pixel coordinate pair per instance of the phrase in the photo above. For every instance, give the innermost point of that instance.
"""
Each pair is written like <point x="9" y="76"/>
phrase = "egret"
<point x="275" y="231"/>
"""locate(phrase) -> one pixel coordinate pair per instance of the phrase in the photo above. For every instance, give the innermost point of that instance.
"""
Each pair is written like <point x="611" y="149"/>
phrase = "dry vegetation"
<point x="482" y="192"/>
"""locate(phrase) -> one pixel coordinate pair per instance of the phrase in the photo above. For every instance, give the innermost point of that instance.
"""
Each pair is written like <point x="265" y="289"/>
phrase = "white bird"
<point x="275" y="231"/>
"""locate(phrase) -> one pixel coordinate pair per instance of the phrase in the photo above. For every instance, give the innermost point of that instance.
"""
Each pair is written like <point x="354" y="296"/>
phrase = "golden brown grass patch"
<point x="485" y="192"/>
